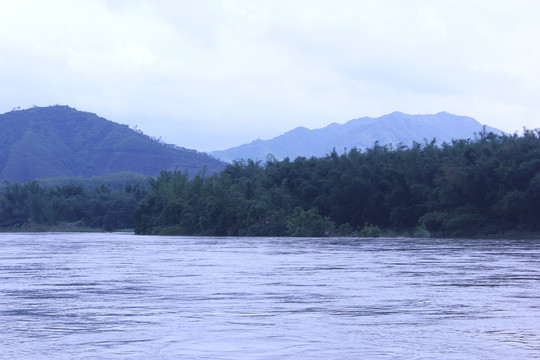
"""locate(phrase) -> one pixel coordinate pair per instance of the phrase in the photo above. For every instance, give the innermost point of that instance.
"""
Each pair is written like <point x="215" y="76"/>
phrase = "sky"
<point x="209" y="75"/>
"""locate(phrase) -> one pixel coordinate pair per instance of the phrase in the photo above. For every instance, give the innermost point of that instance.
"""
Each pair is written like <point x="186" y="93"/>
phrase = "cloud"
<point x="215" y="74"/>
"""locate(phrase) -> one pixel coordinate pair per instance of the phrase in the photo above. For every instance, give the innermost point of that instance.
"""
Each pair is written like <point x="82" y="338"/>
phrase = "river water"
<point x="120" y="296"/>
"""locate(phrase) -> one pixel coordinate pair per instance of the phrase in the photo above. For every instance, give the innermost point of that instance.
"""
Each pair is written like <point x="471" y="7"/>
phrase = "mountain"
<point x="394" y="128"/>
<point x="60" y="141"/>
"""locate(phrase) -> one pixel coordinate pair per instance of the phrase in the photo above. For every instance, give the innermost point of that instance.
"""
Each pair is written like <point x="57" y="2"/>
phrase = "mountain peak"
<point x="60" y="141"/>
<point x="394" y="128"/>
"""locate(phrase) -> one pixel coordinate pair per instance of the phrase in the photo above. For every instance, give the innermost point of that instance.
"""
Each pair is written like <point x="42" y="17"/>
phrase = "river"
<point x="121" y="296"/>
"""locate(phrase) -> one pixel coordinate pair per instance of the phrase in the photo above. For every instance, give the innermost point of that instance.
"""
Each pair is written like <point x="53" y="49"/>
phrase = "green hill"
<point x="60" y="141"/>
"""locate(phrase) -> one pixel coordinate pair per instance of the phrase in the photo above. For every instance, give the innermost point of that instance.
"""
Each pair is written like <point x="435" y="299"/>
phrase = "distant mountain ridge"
<point x="59" y="141"/>
<point x="394" y="128"/>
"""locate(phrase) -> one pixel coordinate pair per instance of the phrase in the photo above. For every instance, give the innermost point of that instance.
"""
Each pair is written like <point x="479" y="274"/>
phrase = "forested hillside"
<point x="481" y="187"/>
<point x="59" y="141"/>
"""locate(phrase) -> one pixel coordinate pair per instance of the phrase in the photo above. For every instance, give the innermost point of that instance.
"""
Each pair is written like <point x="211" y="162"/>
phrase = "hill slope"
<point x="59" y="141"/>
<point x="361" y="133"/>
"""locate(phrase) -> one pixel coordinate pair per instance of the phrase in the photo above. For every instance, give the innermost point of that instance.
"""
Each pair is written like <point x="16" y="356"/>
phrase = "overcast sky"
<point x="210" y="75"/>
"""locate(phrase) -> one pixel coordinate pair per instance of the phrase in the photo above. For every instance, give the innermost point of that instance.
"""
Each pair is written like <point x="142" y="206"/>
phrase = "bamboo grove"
<point x="481" y="187"/>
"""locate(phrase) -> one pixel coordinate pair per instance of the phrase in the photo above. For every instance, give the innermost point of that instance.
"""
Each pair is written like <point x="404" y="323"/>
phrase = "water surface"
<point x="120" y="296"/>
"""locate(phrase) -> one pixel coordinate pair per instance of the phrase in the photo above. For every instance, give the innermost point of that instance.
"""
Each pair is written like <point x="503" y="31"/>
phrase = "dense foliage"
<point x="485" y="186"/>
<point x="33" y="207"/>
<point x="116" y="181"/>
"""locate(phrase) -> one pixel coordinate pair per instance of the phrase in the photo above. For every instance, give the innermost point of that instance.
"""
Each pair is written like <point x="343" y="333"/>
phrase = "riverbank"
<point x="366" y="232"/>
<point x="77" y="226"/>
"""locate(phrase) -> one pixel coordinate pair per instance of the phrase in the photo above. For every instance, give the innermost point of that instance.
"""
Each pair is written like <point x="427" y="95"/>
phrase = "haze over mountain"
<point x="394" y="128"/>
<point x="59" y="141"/>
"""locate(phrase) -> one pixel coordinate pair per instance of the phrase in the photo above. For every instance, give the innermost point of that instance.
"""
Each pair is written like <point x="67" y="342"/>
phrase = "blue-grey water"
<point x="120" y="296"/>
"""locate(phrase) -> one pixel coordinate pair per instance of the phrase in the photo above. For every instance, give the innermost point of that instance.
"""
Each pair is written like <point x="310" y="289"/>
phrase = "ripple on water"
<point x="97" y="296"/>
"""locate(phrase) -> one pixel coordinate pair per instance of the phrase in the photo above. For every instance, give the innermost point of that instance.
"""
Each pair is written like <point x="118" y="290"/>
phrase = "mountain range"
<point x="60" y="141"/>
<point x="395" y="128"/>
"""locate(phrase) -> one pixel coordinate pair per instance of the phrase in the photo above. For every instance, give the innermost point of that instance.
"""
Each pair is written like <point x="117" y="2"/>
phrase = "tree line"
<point x="486" y="186"/>
<point x="482" y="187"/>
<point x="32" y="206"/>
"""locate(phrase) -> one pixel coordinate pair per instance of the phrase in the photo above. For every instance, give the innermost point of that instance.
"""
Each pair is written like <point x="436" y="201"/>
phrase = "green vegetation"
<point x="59" y="141"/>
<point x="33" y="207"/>
<point x="484" y="187"/>
<point x="116" y="181"/>
<point x="489" y="187"/>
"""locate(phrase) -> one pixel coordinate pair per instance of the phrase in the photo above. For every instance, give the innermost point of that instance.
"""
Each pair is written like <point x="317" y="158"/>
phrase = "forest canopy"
<point x="489" y="186"/>
<point x="481" y="187"/>
<point x="75" y="204"/>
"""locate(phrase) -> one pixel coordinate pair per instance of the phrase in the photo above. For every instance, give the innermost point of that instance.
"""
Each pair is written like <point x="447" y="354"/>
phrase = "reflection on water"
<point x="103" y="296"/>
